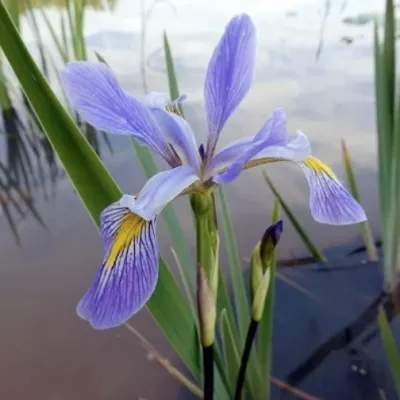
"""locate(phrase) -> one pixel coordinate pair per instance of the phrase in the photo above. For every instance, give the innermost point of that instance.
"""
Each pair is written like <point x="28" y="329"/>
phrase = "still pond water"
<point x="320" y="71"/>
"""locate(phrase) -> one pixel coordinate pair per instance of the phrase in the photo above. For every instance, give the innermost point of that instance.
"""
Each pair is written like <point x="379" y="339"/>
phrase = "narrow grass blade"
<point x="239" y="291"/>
<point x="100" y="58"/>
<point x="230" y="350"/>
<point x="97" y="190"/>
<point x="59" y="45"/>
<point x="388" y="145"/>
<point x="295" y="222"/>
<point x="72" y="28"/>
<point x="64" y="35"/>
<point x="5" y="101"/>
<point x="389" y="48"/>
<point x="36" y="30"/>
<point x="186" y="286"/>
<point x="395" y="172"/>
<point x="364" y="226"/>
<point x="172" y="81"/>
<point x="13" y="8"/>
<point x="264" y="341"/>
<point x="391" y="350"/>
<point x="79" y="16"/>
<point x="107" y="142"/>
<point x="239" y="298"/>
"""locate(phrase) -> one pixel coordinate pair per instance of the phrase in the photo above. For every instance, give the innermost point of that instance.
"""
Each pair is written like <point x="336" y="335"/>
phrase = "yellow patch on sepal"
<point x="130" y="228"/>
<point x="173" y="109"/>
<point x="317" y="165"/>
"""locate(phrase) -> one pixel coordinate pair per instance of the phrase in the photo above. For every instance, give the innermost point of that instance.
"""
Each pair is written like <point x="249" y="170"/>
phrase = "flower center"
<point x="202" y="152"/>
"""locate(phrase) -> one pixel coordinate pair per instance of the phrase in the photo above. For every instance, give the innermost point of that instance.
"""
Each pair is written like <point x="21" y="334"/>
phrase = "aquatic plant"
<point x="131" y="265"/>
<point x="388" y="129"/>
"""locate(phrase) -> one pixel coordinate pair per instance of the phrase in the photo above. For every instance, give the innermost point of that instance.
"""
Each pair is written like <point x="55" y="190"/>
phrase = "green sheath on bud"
<point x="260" y="273"/>
<point x="256" y="269"/>
<point x="206" y="304"/>
<point x="260" y="295"/>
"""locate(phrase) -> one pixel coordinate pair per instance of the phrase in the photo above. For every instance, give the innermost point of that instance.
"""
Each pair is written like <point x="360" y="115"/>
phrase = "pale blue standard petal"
<point x="274" y="131"/>
<point x="228" y="155"/>
<point x="175" y="130"/>
<point x="229" y="75"/>
<point x="128" y="274"/>
<point x="330" y="202"/>
<point x="269" y="144"/>
<point x="95" y="94"/>
<point x="159" y="190"/>
<point x="273" y="134"/>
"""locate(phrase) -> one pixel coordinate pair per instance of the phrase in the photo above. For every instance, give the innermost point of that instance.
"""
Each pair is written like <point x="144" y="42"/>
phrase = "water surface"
<point x="325" y="86"/>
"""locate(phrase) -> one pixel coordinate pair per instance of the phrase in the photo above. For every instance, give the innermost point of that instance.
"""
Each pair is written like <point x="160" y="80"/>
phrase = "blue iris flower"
<point x="129" y="271"/>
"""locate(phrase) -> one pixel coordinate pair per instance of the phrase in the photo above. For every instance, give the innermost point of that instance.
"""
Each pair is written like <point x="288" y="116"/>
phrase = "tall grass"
<point x="78" y="150"/>
<point x="19" y="174"/>
<point x="388" y="126"/>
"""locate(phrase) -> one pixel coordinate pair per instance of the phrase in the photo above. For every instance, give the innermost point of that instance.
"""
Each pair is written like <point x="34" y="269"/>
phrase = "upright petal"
<point x="175" y="130"/>
<point x="160" y="190"/>
<point x="229" y="75"/>
<point x="128" y="274"/>
<point x="297" y="149"/>
<point x="274" y="131"/>
<point x="271" y="138"/>
<point x="95" y="94"/>
<point x="228" y="155"/>
<point x="330" y="202"/>
<point x="269" y="144"/>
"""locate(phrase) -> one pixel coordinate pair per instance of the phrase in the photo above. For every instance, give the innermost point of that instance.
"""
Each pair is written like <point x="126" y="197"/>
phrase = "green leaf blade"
<point x="90" y="177"/>
<point x="389" y="345"/>
<point x="294" y="221"/>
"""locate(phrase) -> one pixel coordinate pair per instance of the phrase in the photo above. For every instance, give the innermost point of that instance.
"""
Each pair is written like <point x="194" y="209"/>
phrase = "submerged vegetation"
<point x="225" y="334"/>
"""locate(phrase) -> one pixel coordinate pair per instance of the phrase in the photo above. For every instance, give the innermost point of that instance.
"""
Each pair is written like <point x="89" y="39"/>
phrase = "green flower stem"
<point x="208" y="360"/>
<point x="204" y="217"/>
<point x="251" y="333"/>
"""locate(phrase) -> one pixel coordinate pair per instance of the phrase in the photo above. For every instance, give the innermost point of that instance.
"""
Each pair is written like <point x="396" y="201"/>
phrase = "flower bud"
<point x="260" y="269"/>
<point x="269" y="242"/>
<point x="206" y="304"/>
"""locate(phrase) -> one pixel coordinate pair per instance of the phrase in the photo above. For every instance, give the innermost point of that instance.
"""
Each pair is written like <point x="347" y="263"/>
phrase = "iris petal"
<point x="330" y="202"/>
<point x="297" y="149"/>
<point x="160" y="190"/>
<point x="129" y="271"/>
<point x="229" y="75"/>
<point x="175" y="129"/>
<point x="95" y="94"/>
<point x="270" y="141"/>
<point x="269" y="144"/>
<point x="274" y="131"/>
<point x="228" y="155"/>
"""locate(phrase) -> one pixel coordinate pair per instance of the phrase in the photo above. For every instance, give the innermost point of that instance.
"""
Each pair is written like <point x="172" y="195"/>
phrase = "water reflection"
<point x="27" y="167"/>
<point x="325" y="316"/>
<point x="95" y="4"/>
